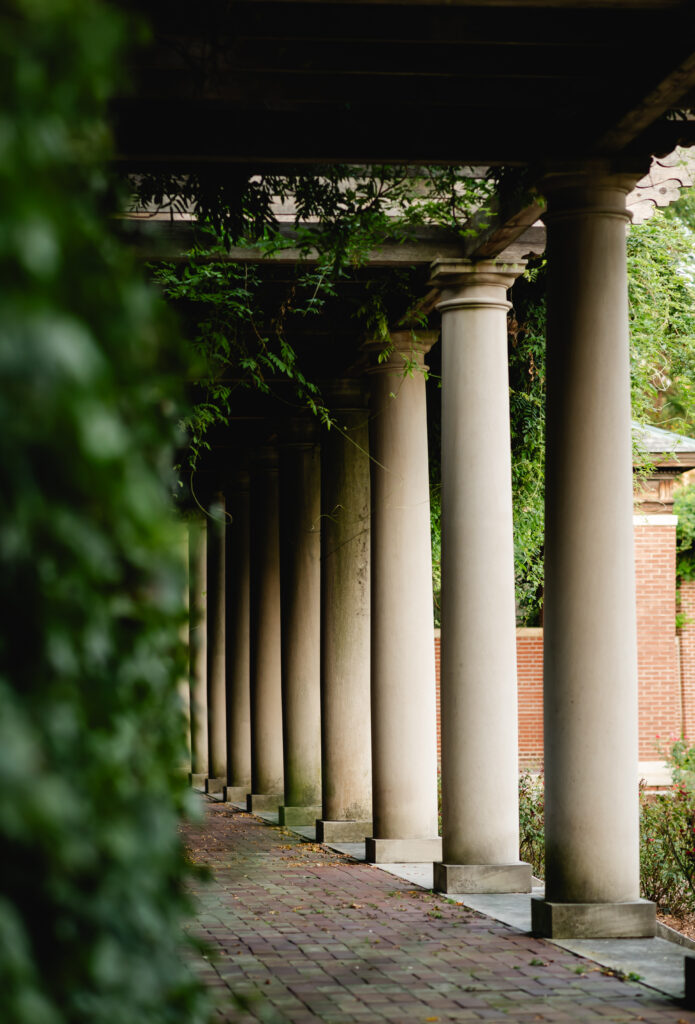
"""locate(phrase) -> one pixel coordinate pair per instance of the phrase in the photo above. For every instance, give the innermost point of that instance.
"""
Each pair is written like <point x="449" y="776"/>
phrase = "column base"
<point x="214" y="785"/>
<point x="690" y="981"/>
<point x="197" y="779"/>
<point x="403" y="851"/>
<point x="262" y="801"/>
<point x="347" y="831"/>
<point x="482" y="877"/>
<point x="635" y="919"/>
<point x="235" y="794"/>
<point x="288" y="815"/>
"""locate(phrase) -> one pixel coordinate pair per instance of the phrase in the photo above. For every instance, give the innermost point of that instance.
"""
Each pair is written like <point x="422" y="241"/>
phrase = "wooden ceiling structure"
<point x="525" y="83"/>
<point x="236" y="87"/>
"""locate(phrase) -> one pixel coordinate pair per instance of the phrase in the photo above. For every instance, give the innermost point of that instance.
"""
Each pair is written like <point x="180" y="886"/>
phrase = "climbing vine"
<point x="243" y="321"/>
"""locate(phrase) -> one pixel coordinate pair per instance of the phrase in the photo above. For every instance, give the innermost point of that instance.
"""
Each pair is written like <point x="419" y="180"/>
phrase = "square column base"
<point x="214" y="785"/>
<point x="235" y="794"/>
<point x="482" y="877"/>
<point x="690" y="981"/>
<point x="403" y="851"/>
<point x="288" y="815"/>
<point x="635" y="919"/>
<point x="348" y="831"/>
<point x="197" y="779"/>
<point x="262" y="801"/>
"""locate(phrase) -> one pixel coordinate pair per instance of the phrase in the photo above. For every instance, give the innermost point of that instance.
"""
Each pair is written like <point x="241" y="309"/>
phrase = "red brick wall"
<point x="687" y="657"/>
<point x="660" y="698"/>
<point x="657" y="648"/>
<point x="529" y="662"/>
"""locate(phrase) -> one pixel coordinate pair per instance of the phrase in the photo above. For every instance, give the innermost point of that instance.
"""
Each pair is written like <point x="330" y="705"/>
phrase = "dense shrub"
<point x="92" y="880"/>
<point x="667" y="834"/>
<point x="667" y="849"/>
<point x="531" y="822"/>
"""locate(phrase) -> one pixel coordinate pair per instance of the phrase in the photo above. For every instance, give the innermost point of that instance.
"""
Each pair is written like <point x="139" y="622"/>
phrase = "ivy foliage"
<point x="684" y="508"/>
<point x="527" y="427"/>
<point x="661" y="291"/>
<point x="242" y="322"/>
<point x="91" y="732"/>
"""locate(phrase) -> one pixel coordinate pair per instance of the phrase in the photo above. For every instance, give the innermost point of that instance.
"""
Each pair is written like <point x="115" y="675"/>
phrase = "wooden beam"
<point x="656" y="102"/>
<point x="169" y="241"/>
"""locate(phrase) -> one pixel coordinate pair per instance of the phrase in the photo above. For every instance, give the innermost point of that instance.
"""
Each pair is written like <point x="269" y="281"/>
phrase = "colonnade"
<point x="320" y="687"/>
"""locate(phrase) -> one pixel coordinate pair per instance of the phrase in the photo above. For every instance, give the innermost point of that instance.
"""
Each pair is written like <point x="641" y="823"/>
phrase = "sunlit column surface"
<point x="238" y="652"/>
<point x="404" y="754"/>
<point x="266" y="695"/>
<point x="197" y="608"/>
<point x="184" y="687"/>
<point x="217" y="716"/>
<point x="591" y="804"/>
<point x="300" y="583"/>
<point x="345" y="620"/>
<point x="480" y="770"/>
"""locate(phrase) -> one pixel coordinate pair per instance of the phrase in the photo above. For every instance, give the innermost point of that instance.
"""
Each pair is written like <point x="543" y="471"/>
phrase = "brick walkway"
<point x="309" y="936"/>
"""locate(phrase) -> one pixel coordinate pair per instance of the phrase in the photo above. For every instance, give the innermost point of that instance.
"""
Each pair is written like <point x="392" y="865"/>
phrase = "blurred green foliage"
<point x="91" y="732"/>
<point x="684" y="508"/>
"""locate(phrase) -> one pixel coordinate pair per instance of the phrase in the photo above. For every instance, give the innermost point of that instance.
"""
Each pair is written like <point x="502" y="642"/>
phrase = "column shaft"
<point x="480" y="770"/>
<point x="184" y="635"/>
<point x="197" y="606"/>
<point x="238" y="649"/>
<point x="404" y="756"/>
<point x="217" y="715"/>
<point x="266" y="692"/>
<point x="345" y="623"/>
<point x="300" y="580"/>
<point x="591" y="807"/>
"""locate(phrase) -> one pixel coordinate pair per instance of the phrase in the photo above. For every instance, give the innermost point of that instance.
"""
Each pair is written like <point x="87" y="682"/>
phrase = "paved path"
<point x="309" y="936"/>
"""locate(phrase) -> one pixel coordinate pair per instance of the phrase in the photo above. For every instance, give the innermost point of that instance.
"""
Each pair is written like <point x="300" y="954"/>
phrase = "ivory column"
<point x="238" y="651"/>
<point x="266" y="694"/>
<point x="404" y="742"/>
<point x="198" y="664"/>
<point x="591" y="803"/>
<point x="217" y="714"/>
<point x="345" y="622"/>
<point x="480" y="766"/>
<point x="184" y="687"/>
<point x="300" y="585"/>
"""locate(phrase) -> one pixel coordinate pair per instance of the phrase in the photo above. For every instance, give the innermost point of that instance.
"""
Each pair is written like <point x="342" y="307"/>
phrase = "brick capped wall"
<point x="661" y="701"/>
<point x="687" y="657"/>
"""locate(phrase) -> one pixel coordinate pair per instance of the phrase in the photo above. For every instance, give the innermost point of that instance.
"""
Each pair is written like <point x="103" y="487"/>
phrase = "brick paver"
<point x="304" y="935"/>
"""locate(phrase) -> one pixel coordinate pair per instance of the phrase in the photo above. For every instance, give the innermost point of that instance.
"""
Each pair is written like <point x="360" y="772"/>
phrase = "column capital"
<point x="406" y="347"/>
<point x="300" y="432"/>
<point x="345" y="393"/>
<point x="590" y="190"/>
<point x="474" y="285"/>
<point x="265" y="457"/>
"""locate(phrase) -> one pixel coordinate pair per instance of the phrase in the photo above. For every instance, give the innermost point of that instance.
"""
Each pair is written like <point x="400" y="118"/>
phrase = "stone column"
<point x="217" y="713"/>
<point x="300" y="585"/>
<point x="198" y="664"/>
<point x="591" y="802"/>
<point x="480" y="759"/>
<point x="266" y="694"/>
<point x="184" y="686"/>
<point x="238" y="651"/>
<point x="404" y="741"/>
<point x="345" y="622"/>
